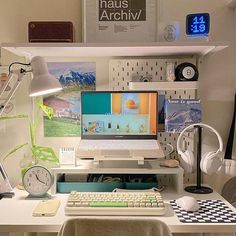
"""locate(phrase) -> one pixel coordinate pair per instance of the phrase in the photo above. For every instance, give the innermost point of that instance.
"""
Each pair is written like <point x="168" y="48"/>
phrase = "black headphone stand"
<point x="199" y="189"/>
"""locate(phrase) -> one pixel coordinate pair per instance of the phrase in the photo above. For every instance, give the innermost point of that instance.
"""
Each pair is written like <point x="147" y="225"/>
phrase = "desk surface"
<point x="16" y="216"/>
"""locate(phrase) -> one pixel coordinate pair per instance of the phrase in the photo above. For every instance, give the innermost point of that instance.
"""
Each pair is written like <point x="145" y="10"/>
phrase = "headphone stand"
<point x="199" y="189"/>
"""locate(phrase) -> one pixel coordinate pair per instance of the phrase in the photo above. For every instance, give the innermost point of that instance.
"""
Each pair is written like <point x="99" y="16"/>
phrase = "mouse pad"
<point x="211" y="211"/>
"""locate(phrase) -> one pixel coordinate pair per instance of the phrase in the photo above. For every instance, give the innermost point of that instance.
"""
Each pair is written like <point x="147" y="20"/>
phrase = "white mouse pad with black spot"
<point x="211" y="211"/>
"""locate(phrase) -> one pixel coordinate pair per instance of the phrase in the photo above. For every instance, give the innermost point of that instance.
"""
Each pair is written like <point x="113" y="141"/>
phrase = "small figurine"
<point x="141" y="129"/>
<point x="127" y="128"/>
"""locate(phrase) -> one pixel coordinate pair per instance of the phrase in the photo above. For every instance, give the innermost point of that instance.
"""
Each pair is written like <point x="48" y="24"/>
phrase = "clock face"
<point x="198" y="25"/>
<point x="37" y="180"/>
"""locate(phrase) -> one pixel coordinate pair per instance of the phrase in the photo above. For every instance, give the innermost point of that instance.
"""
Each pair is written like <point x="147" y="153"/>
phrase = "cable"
<point x="18" y="63"/>
<point x="171" y="146"/>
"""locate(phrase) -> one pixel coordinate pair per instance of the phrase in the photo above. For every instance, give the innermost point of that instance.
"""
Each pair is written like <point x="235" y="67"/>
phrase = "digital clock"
<point x="198" y="25"/>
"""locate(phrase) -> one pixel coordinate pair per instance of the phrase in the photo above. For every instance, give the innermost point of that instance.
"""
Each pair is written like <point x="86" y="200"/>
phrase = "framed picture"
<point x="119" y="21"/>
<point x="74" y="77"/>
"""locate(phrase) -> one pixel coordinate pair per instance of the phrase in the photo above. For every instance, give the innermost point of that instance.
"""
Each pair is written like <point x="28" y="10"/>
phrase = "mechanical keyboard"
<point x="112" y="203"/>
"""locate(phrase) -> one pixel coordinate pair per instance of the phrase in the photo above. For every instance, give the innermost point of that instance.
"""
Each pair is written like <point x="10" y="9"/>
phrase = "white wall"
<point x="217" y="75"/>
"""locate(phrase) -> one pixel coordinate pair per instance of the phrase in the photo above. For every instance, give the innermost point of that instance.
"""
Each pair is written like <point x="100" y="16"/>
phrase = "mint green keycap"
<point x="108" y="204"/>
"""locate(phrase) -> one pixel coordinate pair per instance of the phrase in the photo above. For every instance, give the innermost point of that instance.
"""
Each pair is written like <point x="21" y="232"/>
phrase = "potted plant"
<point x="39" y="154"/>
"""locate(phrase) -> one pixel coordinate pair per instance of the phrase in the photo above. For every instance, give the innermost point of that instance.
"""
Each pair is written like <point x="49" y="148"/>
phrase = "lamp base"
<point x="198" y="190"/>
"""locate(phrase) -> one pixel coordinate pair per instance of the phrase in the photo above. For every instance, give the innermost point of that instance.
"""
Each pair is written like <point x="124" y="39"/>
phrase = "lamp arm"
<point x="20" y="73"/>
<point x="3" y="89"/>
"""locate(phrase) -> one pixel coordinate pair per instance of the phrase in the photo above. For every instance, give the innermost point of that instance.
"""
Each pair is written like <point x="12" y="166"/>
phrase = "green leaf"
<point x="45" y="154"/>
<point x="46" y="109"/>
<point x="14" y="150"/>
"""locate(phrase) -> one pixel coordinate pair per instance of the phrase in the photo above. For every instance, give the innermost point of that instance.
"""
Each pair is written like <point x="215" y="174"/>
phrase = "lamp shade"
<point x="42" y="83"/>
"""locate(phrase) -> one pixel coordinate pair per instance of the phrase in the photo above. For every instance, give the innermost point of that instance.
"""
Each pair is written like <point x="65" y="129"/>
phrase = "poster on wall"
<point x="119" y="20"/>
<point x="74" y="77"/>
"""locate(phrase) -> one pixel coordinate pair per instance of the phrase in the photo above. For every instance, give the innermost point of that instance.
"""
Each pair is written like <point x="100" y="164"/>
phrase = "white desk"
<point x="16" y="216"/>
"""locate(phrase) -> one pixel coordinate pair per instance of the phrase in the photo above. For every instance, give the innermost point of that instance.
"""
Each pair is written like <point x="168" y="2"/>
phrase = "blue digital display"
<point x="198" y="25"/>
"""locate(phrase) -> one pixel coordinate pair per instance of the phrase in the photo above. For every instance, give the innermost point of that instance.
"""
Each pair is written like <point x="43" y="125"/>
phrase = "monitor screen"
<point x="119" y="115"/>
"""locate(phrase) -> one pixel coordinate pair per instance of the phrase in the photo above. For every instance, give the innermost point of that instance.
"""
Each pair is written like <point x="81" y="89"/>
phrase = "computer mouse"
<point x="188" y="203"/>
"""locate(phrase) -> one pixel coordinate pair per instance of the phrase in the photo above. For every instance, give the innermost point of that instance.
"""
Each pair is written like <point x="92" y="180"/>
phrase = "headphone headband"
<point x="201" y="125"/>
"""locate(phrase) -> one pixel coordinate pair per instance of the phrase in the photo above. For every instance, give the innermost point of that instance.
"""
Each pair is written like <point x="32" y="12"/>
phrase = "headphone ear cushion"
<point x="211" y="162"/>
<point x="187" y="161"/>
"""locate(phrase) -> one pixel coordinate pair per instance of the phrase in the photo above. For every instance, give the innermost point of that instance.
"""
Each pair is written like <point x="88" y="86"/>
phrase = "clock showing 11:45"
<point x="198" y="24"/>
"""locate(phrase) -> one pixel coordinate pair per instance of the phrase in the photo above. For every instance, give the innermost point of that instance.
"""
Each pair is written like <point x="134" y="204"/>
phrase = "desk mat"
<point x="211" y="211"/>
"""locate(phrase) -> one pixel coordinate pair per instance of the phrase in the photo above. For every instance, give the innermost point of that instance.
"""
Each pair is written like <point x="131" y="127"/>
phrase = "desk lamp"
<point x="42" y="83"/>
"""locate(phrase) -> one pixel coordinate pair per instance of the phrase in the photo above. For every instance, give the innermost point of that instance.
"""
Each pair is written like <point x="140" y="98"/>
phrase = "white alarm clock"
<point x="37" y="180"/>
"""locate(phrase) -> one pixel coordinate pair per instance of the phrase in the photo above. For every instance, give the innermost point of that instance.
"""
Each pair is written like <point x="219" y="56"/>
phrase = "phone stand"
<point x="199" y="189"/>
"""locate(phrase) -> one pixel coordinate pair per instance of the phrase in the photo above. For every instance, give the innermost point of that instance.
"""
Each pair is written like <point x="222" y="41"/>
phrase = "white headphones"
<point x="210" y="161"/>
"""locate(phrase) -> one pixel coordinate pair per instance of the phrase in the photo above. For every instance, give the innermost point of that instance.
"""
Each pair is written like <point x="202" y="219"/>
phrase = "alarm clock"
<point x="37" y="180"/>
<point x="198" y="24"/>
<point x="186" y="72"/>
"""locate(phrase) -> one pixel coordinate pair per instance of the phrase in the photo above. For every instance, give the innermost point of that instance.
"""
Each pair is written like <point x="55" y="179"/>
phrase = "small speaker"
<point x="186" y="72"/>
<point x="50" y="31"/>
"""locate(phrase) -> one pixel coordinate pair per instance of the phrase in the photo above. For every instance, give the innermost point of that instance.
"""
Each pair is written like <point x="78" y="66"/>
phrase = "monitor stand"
<point x="123" y="164"/>
<point x="137" y="159"/>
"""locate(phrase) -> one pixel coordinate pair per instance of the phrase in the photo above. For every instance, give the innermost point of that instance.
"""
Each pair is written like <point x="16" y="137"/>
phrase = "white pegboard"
<point x="121" y="73"/>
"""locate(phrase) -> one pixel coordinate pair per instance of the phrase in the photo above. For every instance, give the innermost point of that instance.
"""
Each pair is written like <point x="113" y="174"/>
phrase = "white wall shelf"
<point x="157" y="86"/>
<point x="113" y="49"/>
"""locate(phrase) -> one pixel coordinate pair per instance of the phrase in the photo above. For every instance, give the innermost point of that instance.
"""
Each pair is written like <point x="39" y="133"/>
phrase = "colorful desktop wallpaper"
<point x="74" y="77"/>
<point x="107" y="113"/>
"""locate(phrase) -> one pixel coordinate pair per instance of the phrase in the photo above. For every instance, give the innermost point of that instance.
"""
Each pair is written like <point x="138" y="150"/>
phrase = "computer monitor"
<point x="119" y="115"/>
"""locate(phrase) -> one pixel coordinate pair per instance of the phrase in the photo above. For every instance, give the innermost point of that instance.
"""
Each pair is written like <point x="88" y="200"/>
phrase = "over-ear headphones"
<point x="210" y="161"/>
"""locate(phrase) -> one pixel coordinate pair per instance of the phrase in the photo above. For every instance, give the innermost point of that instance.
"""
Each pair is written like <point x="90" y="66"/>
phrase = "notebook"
<point x="119" y="123"/>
